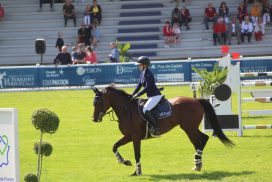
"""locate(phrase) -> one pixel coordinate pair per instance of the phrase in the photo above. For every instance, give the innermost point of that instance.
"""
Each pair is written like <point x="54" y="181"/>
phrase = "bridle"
<point x="110" y="112"/>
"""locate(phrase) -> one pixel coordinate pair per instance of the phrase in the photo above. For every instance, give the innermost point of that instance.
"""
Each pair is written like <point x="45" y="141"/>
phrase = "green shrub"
<point x="46" y="148"/>
<point x="31" y="178"/>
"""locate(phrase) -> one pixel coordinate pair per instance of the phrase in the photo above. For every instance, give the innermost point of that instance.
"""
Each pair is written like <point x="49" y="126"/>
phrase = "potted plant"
<point x="210" y="79"/>
<point x="123" y="51"/>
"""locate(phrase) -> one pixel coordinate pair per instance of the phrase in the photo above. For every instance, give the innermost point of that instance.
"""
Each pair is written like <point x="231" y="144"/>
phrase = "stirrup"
<point x="155" y="136"/>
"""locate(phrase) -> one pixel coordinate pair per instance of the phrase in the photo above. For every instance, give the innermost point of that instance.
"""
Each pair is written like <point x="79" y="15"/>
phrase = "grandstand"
<point x="139" y="22"/>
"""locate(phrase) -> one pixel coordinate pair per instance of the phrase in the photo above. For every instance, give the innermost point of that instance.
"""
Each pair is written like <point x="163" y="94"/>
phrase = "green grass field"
<point x="83" y="149"/>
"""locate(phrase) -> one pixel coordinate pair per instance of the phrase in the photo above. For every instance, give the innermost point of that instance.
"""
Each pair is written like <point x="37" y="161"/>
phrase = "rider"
<point x="147" y="80"/>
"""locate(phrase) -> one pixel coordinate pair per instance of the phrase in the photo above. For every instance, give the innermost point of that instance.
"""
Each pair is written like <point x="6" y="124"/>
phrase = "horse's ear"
<point x="96" y="91"/>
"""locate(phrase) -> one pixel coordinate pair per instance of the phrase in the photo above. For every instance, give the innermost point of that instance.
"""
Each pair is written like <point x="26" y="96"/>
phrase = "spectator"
<point x="259" y="30"/>
<point x="95" y="36"/>
<point x="266" y="12"/>
<point x="114" y="55"/>
<point x="242" y="12"/>
<point x="224" y="11"/>
<point x="74" y="53"/>
<point x="90" y="56"/>
<point x="234" y="30"/>
<point x="246" y="29"/>
<point x="63" y="57"/>
<point x="255" y="12"/>
<point x="210" y="15"/>
<point x="176" y="16"/>
<point x="185" y="17"/>
<point x="168" y="34"/>
<point x="176" y="1"/>
<point x="84" y="35"/>
<point x="59" y="42"/>
<point x="69" y="12"/>
<point x="96" y="12"/>
<point x="176" y="33"/>
<point x="46" y="1"/>
<point x="87" y="16"/>
<point x="79" y="56"/>
<point x="219" y="31"/>
<point x="2" y="12"/>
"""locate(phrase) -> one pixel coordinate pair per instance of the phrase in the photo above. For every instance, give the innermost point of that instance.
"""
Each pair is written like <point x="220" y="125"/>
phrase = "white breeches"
<point x="152" y="102"/>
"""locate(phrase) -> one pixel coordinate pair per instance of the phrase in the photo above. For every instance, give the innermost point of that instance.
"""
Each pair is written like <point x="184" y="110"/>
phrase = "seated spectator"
<point x="266" y="12"/>
<point x="255" y="12"/>
<point x="168" y="34"/>
<point x="242" y="12"/>
<point x="84" y="35"/>
<point x="114" y="55"/>
<point x="209" y="15"/>
<point x="219" y="32"/>
<point x="69" y="12"/>
<point x="90" y="56"/>
<point x="74" y="53"/>
<point x="224" y="11"/>
<point x="185" y="17"/>
<point x="96" y="35"/>
<point x="96" y="12"/>
<point x="176" y="33"/>
<point x="176" y="16"/>
<point x="246" y="29"/>
<point x="87" y="16"/>
<point x="2" y="12"/>
<point x="234" y="30"/>
<point x="259" y="30"/>
<point x="79" y="55"/>
<point x="46" y="1"/>
<point x="59" y="42"/>
<point x="63" y="57"/>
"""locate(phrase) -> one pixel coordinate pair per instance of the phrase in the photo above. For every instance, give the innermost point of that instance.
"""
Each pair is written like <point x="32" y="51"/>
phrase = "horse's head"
<point x="101" y="104"/>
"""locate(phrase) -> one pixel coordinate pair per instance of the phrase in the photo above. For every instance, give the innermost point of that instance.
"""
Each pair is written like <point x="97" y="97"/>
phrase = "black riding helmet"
<point x="143" y="60"/>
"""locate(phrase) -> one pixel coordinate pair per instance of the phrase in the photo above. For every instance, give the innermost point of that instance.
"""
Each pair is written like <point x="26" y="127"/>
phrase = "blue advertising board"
<point x="100" y="74"/>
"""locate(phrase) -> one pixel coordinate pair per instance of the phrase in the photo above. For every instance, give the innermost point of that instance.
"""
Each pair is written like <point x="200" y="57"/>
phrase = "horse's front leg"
<point x="137" y="153"/>
<point x="122" y="141"/>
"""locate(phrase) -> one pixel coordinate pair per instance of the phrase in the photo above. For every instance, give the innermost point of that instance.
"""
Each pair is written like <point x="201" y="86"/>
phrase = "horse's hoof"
<point x="196" y="168"/>
<point x="137" y="173"/>
<point x="127" y="163"/>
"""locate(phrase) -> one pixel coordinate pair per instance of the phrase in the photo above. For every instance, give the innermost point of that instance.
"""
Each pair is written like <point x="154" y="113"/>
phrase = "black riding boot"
<point x="151" y="119"/>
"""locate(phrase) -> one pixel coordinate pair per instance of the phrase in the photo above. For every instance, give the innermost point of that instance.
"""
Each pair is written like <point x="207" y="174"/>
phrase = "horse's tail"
<point x="210" y="115"/>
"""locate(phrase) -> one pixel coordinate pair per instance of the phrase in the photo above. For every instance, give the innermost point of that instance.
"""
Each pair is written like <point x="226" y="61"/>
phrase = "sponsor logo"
<point x="2" y="75"/>
<point x="88" y="81"/>
<point x="58" y="82"/>
<point x="124" y="69"/>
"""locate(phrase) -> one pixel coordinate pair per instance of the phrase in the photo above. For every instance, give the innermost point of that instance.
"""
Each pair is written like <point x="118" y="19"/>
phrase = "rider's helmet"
<point x="143" y="60"/>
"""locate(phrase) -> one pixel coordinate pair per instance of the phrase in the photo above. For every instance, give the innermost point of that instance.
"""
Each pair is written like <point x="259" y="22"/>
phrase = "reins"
<point x="111" y="115"/>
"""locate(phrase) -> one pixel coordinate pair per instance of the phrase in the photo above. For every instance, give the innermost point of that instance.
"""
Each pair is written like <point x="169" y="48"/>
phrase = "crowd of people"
<point x="225" y="24"/>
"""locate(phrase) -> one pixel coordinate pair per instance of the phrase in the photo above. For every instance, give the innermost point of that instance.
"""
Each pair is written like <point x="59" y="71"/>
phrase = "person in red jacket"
<point x="219" y="31"/>
<point x="168" y="34"/>
<point x="209" y="15"/>
<point x="2" y="13"/>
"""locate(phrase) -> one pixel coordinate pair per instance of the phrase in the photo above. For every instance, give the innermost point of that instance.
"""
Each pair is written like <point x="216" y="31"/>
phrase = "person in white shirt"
<point x="234" y="30"/>
<point x="246" y="29"/>
<point x="259" y="30"/>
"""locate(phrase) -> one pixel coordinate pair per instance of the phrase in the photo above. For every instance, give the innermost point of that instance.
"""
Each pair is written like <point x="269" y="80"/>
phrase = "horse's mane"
<point x="118" y="91"/>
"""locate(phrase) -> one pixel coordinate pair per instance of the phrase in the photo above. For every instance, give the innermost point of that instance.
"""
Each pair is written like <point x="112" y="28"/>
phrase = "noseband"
<point x="110" y="112"/>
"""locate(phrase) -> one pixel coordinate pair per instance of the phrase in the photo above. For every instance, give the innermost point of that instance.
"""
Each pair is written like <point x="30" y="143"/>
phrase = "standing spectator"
<point x="44" y="1"/>
<point x="219" y="31"/>
<point x="95" y="36"/>
<point x="234" y="30"/>
<point x="255" y="12"/>
<point x="259" y="30"/>
<point x="224" y="11"/>
<point x="2" y="12"/>
<point x="79" y="56"/>
<point x="96" y="12"/>
<point x="87" y="16"/>
<point x="84" y="35"/>
<point x="114" y="55"/>
<point x="242" y="12"/>
<point x="63" y="57"/>
<point x="246" y="29"/>
<point x="209" y="15"/>
<point x="69" y="12"/>
<point x="90" y="56"/>
<point x="266" y="12"/>
<point x="59" y="42"/>
<point x="176" y="16"/>
<point x="176" y="33"/>
<point x="185" y="17"/>
<point x="168" y="34"/>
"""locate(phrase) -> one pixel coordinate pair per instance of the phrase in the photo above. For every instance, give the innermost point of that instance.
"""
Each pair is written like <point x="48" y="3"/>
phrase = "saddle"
<point x="161" y="111"/>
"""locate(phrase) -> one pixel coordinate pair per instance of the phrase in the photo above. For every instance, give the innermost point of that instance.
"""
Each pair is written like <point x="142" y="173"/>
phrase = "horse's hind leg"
<point x="199" y="141"/>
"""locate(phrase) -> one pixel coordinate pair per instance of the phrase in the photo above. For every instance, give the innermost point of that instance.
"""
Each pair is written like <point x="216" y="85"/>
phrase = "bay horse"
<point x="186" y="112"/>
